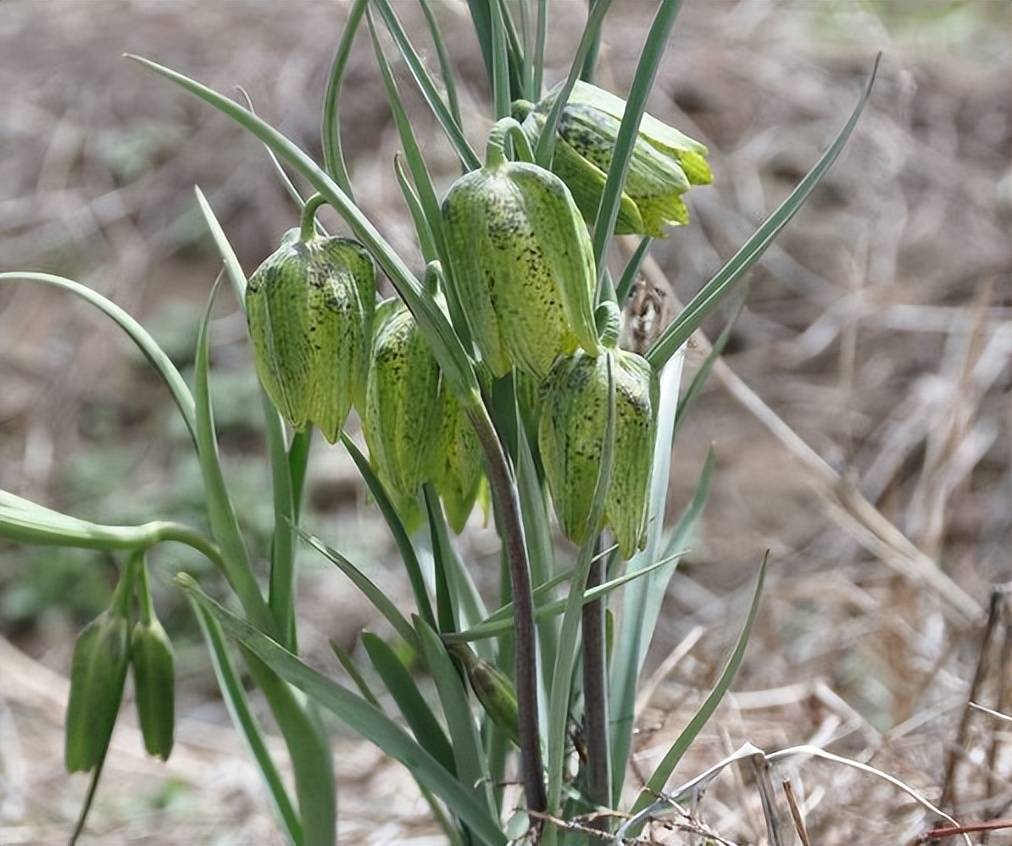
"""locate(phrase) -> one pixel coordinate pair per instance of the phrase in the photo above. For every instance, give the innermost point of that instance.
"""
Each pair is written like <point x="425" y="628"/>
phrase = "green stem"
<point x="505" y="129"/>
<point x="307" y="223"/>
<point x="144" y="593"/>
<point x="298" y="461"/>
<point x="595" y="695"/>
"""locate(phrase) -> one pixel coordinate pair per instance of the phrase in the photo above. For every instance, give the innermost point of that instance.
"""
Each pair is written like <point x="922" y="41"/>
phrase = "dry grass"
<point x="877" y="332"/>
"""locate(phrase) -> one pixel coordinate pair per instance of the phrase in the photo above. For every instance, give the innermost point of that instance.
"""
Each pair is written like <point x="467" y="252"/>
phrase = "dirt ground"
<point x="860" y="420"/>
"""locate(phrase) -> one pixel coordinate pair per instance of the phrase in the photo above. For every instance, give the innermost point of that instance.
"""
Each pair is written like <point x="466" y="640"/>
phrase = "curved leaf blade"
<point x="713" y="293"/>
<point x="357" y="713"/>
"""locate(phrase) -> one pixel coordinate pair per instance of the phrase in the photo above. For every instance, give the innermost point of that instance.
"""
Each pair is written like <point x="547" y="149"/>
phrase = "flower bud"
<point x="665" y="163"/>
<point x="571" y="432"/>
<point x="459" y="477"/>
<point x="523" y="265"/>
<point x="403" y="419"/>
<point x="493" y="689"/>
<point x="309" y="308"/>
<point x="154" y="686"/>
<point x="97" y="674"/>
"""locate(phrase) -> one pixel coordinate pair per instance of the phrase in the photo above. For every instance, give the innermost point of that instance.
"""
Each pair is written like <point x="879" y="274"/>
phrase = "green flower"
<point x="665" y="162"/>
<point x="309" y="307"/>
<point x="458" y="480"/>
<point x="571" y="430"/>
<point x="523" y="265"/>
<point x="404" y="403"/>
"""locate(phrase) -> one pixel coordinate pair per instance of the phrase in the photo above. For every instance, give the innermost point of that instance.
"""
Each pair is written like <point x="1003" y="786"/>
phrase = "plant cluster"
<point x="496" y="377"/>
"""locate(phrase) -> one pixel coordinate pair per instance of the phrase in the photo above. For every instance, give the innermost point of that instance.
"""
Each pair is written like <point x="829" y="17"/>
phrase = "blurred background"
<point x="875" y="337"/>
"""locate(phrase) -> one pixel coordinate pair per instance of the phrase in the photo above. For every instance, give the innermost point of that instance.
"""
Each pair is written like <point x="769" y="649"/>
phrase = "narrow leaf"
<point x="427" y="86"/>
<point x="360" y="716"/>
<point x="427" y="730"/>
<point x="282" y="575"/>
<point x="220" y="511"/>
<point x="546" y="142"/>
<point x="703" y="373"/>
<point x="407" y="550"/>
<point x="502" y="620"/>
<point x="636" y="103"/>
<point x="377" y="597"/>
<point x="333" y="155"/>
<point x="635" y="628"/>
<point x="711" y="295"/>
<point x="445" y="66"/>
<point x="246" y="724"/>
<point x="655" y="784"/>
<point x="469" y="757"/>
<point x="632" y="267"/>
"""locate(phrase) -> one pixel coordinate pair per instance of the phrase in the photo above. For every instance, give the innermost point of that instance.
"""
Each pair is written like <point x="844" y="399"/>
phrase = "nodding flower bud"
<point x="98" y="672"/>
<point x="571" y="431"/>
<point x="493" y="689"/>
<point x="154" y="686"/>
<point x="665" y="163"/>
<point x="309" y="308"/>
<point x="522" y="263"/>
<point x="404" y="404"/>
<point x="153" y="667"/>
<point x="458" y="479"/>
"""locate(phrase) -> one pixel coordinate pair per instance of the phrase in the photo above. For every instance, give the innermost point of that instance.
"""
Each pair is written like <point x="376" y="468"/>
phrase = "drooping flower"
<point x="309" y="308"/>
<point x="522" y="263"/>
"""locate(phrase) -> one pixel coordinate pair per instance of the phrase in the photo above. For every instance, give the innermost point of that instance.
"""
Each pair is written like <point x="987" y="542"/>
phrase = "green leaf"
<point x="635" y="628"/>
<point x="422" y="230"/>
<point x="360" y="716"/>
<point x="636" y="103"/>
<point x="407" y="550"/>
<point x="376" y="596"/>
<point x="445" y="66"/>
<point x="462" y="593"/>
<point x="283" y="177"/>
<point x="481" y="18"/>
<point x="565" y="661"/>
<point x="330" y="124"/>
<point x="220" y="511"/>
<point x="423" y="723"/>
<point x="452" y="831"/>
<point x="632" y="267"/>
<point x="246" y="724"/>
<point x="428" y="87"/>
<point x="540" y="38"/>
<point x="155" y="355"/>
<point x="546" y="141"/>
<point x="442" y="551"/>
<point x="501" y="621"/>
<point x="307" y="748"/>
<point x="469" y="757"/>
<point x="500" y="63"/>
<point x="703" y="373"/>
<point x="655" y="784"/>
<point x="281" y="599"/>
<point x="426" y="193"/>
<point x="590" y="61"/>
<point x="540" y="549"/>
<point x="714" y="291"/>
